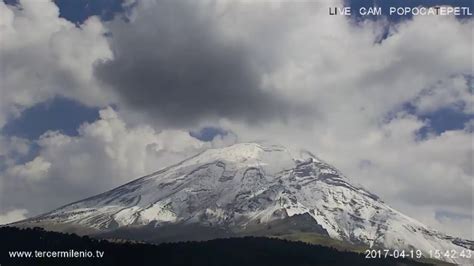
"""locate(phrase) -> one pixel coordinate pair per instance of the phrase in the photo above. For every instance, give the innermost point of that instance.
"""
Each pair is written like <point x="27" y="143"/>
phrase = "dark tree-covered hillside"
<point x="235" y="251"/>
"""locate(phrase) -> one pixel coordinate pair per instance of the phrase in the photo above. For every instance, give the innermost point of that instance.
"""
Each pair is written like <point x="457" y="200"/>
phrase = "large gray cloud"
<point x="173" y="62"/>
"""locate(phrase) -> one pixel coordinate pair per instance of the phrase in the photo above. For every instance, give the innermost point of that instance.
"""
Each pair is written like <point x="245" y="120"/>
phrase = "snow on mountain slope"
<point x="246" y="185"/>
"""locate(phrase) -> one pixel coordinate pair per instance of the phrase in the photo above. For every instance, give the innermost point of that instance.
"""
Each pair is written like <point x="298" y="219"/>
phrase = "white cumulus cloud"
<point x="43" y="56"/>
<point x="13" y="216"/>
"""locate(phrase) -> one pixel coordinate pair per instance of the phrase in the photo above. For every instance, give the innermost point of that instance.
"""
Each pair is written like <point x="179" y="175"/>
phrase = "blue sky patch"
<point x="208" y="133"/>
<point x="57" y="114"/>
<point x="78" y="11"/>
<point x="439" y="121"/>
<point x="11" y="2"/>
<point x="443" y="120"/>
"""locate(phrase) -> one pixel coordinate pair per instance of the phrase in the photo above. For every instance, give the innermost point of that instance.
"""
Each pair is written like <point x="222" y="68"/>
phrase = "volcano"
<point x="248" y="189"/>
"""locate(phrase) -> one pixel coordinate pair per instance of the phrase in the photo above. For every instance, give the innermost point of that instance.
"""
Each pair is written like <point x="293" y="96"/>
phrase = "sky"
<point x="97" y="93"/>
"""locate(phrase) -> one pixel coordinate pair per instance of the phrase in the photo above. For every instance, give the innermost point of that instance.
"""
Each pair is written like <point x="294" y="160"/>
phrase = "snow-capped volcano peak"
<point x="269" y="158"/>
<point x="248" y="189"/>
